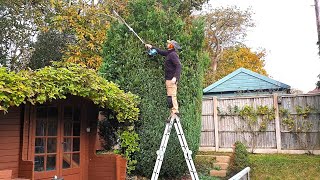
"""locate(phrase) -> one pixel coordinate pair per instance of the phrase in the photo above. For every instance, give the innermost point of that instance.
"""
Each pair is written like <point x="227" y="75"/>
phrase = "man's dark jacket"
<point x="172" y="64"/>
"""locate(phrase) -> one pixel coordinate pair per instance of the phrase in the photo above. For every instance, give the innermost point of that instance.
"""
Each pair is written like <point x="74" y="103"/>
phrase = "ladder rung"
<point x="160" y="152"/>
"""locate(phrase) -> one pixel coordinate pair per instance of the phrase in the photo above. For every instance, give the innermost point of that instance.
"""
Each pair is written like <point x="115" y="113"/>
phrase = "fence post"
<point x="277" y="122"/>
<point x="215" y="120"/>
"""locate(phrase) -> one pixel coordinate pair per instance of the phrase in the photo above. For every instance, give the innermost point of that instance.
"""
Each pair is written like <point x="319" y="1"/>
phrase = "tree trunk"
<point x="214" y="64"/>
<point x="216" y="54"/>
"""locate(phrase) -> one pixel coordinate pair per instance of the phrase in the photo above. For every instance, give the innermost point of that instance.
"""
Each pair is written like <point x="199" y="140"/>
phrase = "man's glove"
<point x="149" y="46"/>
<point x="174" y="80"/>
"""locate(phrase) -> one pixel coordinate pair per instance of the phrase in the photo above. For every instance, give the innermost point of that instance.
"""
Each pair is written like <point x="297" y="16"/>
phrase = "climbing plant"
<point x="252" y="115"/>
<point x="298" y="124"/>
<point x="288" y="119"/>
<point x="60" y="80"/>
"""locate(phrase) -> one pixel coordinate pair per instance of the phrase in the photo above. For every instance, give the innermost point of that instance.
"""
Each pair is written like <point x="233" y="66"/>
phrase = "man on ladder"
<point x="172" y="75"/>
<point x="172" y="67"/>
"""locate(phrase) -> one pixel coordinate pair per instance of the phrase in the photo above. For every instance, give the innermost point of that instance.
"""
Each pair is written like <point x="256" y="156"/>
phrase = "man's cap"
<point x="175" y="44"/>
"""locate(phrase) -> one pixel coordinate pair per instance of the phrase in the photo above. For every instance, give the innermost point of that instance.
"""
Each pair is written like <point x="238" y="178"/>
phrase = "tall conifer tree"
<point x="126" y="63"/>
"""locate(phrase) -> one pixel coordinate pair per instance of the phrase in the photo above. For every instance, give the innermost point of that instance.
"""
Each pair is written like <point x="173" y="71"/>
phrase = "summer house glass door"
<point x="46" y="146"/>
<point x="70" y="155"/>
<point x="57" y="142"/>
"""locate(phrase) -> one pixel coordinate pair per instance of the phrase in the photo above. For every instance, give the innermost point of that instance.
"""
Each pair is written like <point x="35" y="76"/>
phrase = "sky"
<point x="287" y="30"/>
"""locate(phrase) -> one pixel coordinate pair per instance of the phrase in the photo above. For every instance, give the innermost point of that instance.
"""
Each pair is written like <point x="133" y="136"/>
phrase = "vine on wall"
<point x="289" y="121"/>
<point x="297" y="124"/>
<point x="251" y="114"/>
<point x="254" y="117"/>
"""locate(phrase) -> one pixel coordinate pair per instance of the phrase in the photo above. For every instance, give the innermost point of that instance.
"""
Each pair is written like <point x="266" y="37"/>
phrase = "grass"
<point x="284" y="166"/>
<point x="268" y="166"/>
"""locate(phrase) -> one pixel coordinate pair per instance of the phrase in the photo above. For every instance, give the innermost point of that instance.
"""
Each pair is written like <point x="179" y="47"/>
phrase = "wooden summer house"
<point x="244" y="82"/>
<point x="55" y="139"/>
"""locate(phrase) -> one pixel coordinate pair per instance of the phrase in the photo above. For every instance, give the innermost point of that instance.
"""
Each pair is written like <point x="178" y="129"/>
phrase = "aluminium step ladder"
<point x="174" y="120"/>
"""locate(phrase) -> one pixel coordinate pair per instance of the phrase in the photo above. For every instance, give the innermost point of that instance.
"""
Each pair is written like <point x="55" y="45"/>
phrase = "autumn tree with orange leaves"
<point x="87" y="24"/>
<point x="237" y="57"/>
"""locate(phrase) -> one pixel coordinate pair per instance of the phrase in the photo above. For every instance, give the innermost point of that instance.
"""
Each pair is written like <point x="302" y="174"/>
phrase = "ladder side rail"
<point x="161" y="151"/>
<point x="187" y="154"/>
<point x="165" y="136"/>
<point x="181" y="131"/>
<point x="184" y="140"/>
<point x="186" y="150"/>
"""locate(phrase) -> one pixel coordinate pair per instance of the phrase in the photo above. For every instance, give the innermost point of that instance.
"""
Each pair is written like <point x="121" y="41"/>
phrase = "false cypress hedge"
<point x="127" y="64"/>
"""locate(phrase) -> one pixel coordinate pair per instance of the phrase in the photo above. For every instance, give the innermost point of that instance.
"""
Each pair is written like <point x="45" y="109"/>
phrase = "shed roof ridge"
<point x="248" y="72"/>
<point x="265" y="78"/>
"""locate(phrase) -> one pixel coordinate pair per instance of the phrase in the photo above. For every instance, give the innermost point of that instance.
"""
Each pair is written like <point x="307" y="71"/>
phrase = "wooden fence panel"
<point x="306" y="132"/>
<point x="264" y="140"/>
<point x="231" y="127"/>
<point x="207" y="125"/>
<point x="207" y="129"/>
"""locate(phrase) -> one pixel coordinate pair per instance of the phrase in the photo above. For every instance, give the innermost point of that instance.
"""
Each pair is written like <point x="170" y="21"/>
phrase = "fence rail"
<point x="293" y="124"/>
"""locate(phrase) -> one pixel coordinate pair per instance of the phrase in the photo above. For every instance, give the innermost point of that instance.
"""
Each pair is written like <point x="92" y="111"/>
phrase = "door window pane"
<point x="39" y="163"/>
<point x="40" y="145"/>
<point x="52" y="113"/>
<point x="76" y="129"/>
<point x="76" y="144"/>
<point x="76" y="115"/>
<point x="52" y="127"/>
<point x="67" y="145"/>
<point x="67" y="114"/>
<point x="41" y="126"/>
<point x="51" y="162"/>
<point x="66" y="163"/>
<point x="76" y="160"/>
<point x="52" y="145"/>
<point x="41" y="112"/>
<point x="67" y="128"/>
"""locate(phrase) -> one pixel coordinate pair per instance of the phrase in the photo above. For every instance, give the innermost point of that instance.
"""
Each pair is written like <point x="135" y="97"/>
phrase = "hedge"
<point x="127" y="64"/>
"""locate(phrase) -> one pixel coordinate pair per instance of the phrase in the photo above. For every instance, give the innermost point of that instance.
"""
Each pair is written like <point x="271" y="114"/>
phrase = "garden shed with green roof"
<point x="244" y="82"/>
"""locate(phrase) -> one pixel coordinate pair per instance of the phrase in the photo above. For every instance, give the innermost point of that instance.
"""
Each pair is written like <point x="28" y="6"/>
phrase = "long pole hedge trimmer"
<point x="151" y="52"/>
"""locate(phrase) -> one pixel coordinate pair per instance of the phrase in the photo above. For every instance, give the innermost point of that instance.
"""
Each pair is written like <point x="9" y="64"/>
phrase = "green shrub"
<point x="127" y="64"/>
<point x="204" y="164"/>
<point x="239" y="159"/>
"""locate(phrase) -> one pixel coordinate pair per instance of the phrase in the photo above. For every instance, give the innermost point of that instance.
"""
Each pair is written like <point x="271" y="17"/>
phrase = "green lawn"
<point x="284" y="166"/>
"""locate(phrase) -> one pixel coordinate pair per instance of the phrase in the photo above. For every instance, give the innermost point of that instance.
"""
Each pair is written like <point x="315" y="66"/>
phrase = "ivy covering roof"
<point x="59" y="80"/>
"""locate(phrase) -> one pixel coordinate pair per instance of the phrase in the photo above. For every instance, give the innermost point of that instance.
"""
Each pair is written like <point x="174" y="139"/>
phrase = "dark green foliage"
<point x="48" y="47"/>
<point x="239" y="159"/>
<point x="318" y="83"/>
<point x="108" y="129"/>
<point x="127" y="64"/>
